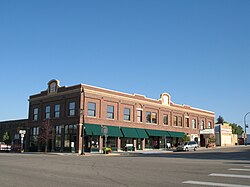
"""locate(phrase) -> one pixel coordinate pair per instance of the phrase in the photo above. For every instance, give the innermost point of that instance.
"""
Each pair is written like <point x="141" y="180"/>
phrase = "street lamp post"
<point x="83" y="133"/>
<point x="246" y="126"/>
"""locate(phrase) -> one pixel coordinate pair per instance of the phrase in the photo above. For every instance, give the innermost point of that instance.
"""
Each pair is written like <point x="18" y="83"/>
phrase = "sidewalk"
<point x="148" y="151"/>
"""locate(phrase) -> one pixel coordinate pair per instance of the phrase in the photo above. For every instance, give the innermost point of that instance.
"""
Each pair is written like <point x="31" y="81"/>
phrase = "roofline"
<point x="134" y="94"/>
<point x="155" y="100"/>
<point x="13" y="120"/>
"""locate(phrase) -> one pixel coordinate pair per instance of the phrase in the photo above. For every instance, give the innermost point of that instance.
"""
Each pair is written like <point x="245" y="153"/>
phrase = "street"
<point x="211" y="167"/>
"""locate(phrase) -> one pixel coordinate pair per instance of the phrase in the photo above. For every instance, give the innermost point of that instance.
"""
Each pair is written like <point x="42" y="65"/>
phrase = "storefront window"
<point x="125" y="141"/>
<point x="66" y="140"/>
<point x="148" y="144"/>
<point x="58" y="135"/>
<point x="70" y="135"/>
<point x="95" y="143"/>
<point x="111" y="142"/>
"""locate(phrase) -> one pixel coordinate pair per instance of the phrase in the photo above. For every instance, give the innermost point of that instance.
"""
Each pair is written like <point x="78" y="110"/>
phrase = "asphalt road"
<point x="217" y="167"/>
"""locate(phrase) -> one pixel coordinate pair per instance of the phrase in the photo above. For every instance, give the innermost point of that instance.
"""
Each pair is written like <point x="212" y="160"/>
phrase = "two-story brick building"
<point x="129" y="118"/>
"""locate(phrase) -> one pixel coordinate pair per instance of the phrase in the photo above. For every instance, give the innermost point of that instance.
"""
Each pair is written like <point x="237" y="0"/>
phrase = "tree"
<point x="212" y="139"/>
<point x="6" y="138"/>
<point x="185" y="138"/>
<point x="236" y="129"/>
<point x="45" y="134"/>
<point x="220" y="120"/>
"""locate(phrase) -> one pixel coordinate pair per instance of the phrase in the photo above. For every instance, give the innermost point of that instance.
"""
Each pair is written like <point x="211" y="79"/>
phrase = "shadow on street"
<point x="239" y="154"/>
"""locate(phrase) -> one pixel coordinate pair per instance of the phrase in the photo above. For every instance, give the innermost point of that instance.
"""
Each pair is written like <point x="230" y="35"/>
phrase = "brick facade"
<point x="82" y="94"/>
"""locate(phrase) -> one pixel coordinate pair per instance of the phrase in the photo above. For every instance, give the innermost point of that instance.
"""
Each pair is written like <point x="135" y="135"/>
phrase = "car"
<point x="4" y="147"/>
<point x="187" y="146"/>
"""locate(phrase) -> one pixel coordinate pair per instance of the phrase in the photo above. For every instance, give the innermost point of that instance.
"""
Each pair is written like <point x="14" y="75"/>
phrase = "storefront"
<point x="205" y="134"/>
<point x="130" y="136"/>
<point x="113" y="136"/>
<point x="161" y="139"/>
<point x="143" y="136"/>
<point x="119" y="138"/>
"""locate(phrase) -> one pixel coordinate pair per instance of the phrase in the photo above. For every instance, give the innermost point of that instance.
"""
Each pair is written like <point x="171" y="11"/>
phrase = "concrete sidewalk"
<point x="148" y="151"/>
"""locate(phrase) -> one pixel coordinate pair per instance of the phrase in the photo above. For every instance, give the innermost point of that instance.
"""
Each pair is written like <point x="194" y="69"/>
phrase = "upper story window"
<point x="126" y="114"/>
<point x="35" y="114"/>
<point x="187" y="122"/>
<point x="165" y="119"/>
<point x="91" y="109"/>
<point x="47" y="112"/>
<point x="72" y="108"/>
<point x="180" y="121"/>
<point x="194" y="123"/>
<point x="148" y="117"/>
<point x="57" y="111"/>
<point x="139" y="116"/>
<point x="175" y="121"/>
<point x="202" y="124"/>
<point x="154" y="117"/>
<point x="151" y="117"/>
<point x="209" y="125"/>
<point x="110" y="112"/>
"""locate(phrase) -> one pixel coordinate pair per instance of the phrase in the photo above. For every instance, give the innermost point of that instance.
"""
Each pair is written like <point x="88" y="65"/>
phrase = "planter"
<point x="106" y="150"/>
<point x="210" y="145"/>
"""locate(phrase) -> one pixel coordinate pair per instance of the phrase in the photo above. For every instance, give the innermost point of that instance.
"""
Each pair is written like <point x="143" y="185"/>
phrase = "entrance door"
<point x="202" y="140"/>
<point x="156" y="143"/>
<point x="139" y="144"/>
<point x="73" y="143"/>
<point x="196" y="139"/>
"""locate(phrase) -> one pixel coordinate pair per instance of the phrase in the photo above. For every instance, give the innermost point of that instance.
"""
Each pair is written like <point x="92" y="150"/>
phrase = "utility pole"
<point x="246" y="126"/>
<point x="82" y="131"/>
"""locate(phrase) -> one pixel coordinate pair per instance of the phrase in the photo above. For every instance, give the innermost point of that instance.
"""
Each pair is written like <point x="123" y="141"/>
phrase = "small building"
<point x="13" y="127"/>
<point x="78" y="114"/>
<point x="224" y="135"/>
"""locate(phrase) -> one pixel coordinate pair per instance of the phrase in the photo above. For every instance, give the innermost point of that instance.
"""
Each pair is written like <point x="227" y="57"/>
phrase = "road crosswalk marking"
<point x="214" y="184"/>
<point x="229" y="175"/>
<point x="204" y="183"/>
<point x="238" y="169"/>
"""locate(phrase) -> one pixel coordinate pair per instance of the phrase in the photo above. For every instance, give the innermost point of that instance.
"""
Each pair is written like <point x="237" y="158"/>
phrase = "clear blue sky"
<point x="197" y="51"/>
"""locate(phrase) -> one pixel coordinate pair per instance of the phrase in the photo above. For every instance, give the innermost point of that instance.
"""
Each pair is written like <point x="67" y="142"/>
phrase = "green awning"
<point x="93" y="129"/>
<point x="176" y="134"/>
<point x="129" y="132"/>
<point x="114" y="131"/>
<point x="157" y="133"/>
<point x="142" y="133"/>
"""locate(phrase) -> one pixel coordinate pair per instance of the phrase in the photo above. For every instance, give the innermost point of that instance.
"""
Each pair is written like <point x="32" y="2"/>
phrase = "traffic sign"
<point x="22" y="131"/>
<point x="104" y="130"/>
